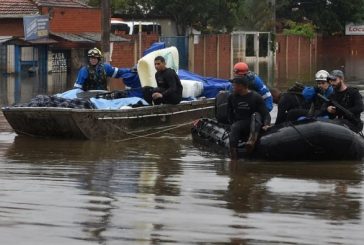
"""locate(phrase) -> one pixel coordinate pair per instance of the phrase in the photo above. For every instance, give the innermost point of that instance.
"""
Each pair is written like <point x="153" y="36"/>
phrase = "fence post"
<point x="191" y="53"/>
<point x="218" y="56"/>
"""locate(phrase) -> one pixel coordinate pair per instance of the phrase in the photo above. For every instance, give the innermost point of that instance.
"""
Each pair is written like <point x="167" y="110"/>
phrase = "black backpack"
<point x="221" y="110"/>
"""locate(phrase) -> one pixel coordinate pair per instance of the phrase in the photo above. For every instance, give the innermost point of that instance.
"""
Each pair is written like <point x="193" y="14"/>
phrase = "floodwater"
<point x="166" y="190"/>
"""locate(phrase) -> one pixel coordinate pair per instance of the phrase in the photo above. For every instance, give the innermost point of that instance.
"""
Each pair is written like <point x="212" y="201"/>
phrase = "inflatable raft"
<point x="303" y="140"/>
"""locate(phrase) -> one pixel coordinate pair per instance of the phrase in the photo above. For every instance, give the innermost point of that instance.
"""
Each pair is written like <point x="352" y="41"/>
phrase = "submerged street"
<point x="166" y="189"/>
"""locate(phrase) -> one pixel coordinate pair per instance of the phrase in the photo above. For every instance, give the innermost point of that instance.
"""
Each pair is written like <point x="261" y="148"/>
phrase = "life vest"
<point x="97" y="79"/>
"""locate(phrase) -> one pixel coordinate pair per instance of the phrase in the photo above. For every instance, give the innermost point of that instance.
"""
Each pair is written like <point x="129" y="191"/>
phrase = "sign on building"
<point x="354" y="29"/>
<point x="35" y="27"/>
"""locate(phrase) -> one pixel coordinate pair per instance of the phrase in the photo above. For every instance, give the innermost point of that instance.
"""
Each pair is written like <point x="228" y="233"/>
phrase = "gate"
<point x="181" y="43"/>
<point x="254" y="48"/>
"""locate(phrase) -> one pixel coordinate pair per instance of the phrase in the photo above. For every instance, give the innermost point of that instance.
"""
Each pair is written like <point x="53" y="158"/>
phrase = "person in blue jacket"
<point x="94" y="75"/>
<point x="257" y="84"/>
<point x="309" y="94"/>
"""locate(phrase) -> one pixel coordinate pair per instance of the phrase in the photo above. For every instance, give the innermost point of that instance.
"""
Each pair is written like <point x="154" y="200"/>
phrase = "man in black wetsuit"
<point x="290" y="100"/>
<point x="169" y="90"/>
<point x="347" y="97"/>
<point x="247" y="113"/>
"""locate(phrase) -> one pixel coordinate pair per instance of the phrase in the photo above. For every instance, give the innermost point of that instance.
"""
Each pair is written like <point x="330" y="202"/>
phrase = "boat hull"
<point x="306" y="140"/>
<point x="105" y="124"/>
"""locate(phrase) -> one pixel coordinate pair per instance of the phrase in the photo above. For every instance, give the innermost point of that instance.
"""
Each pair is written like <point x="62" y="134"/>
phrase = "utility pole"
<point x="105" y="29"/>
<point x="273" y="10"/>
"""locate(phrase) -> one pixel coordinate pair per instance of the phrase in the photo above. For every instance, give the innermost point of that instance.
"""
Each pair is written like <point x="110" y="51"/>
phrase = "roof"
<point x="17" y="8"/>
<point x="44" y="40"/>
<point x="8" y="40"/>
<point x="61" y="3"/>
<point x="87" y="37"/>
<point x="4" y="39"/>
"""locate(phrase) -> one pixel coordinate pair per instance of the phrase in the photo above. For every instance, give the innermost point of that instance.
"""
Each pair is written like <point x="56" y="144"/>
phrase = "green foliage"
<point x="211" y="16"/>
<point x="115" y="4"/>
<point x="300" y="29"/>
<point x="206" y="16"/>
<point x="254" y="15"/>
<point x="329" y="16"/>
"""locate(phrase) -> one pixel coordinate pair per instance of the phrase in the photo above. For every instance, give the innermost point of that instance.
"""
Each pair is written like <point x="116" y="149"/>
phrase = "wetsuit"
<point x="312" y="104"/>
<point x="288" y="101"/>
<point x="169" y="85"/>
<point x="351" y="100"/>
<point x="240" y="111"/>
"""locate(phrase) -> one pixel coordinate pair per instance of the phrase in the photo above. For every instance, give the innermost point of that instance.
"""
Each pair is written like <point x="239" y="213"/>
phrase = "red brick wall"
<point x="62" y="20"/>
<point x="328" y="53"/>
<point x="11" y="27"/>
<point x="199" y="56"/>
<point x="74" y="20"/>
<point x="296" y="59"/>
<point x="225" y="65"/>
<point x="212" y="56"/>
<point x="124" y="52"/>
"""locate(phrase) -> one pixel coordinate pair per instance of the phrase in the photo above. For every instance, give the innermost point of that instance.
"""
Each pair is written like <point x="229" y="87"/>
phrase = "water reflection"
<point x="103" y="174"/>
<point x="165" y="190"/>
<point x="319" y="189"/>
<point x="22" y="87"/>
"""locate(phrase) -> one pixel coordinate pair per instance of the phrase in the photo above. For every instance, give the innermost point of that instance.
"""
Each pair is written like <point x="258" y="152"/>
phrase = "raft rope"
<point x="147" y="136"/>
<point x="316" y="148"/>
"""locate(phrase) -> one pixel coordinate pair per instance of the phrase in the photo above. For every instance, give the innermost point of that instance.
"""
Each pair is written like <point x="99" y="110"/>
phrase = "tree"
<point x="329" y="16"/>
<point x="254" y="15"/>
<point x="206" y="16"/>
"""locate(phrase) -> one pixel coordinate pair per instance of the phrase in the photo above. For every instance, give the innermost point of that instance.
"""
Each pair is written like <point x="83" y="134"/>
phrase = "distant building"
<point x="74" y="27"/>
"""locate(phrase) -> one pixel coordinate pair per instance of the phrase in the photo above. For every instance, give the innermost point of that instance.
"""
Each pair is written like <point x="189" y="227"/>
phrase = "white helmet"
<point x="321" y="75"/>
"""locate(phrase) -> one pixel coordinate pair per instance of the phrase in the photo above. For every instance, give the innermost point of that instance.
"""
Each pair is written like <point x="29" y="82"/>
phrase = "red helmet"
<point x="241" y="68"/>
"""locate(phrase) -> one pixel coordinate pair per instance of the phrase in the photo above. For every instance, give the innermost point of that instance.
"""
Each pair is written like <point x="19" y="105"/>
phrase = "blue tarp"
<point x="70" y="94"/>
<point x="155" y="46"/>
<point x="117" y="103"/>
<point x="211" y="86"/>
<point x="131" y="80"/>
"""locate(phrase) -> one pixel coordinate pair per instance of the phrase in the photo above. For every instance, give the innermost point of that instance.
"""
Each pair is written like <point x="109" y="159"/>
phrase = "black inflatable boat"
<point x="303" y="140"/>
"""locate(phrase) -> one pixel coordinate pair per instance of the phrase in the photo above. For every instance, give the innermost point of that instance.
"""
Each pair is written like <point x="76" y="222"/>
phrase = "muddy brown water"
<point x="166" y="190"/>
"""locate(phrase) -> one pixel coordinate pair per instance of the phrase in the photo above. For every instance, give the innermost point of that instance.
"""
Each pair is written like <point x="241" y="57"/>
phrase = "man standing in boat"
<point x="345" y="103"/>
<point x="247" y="115"/>
<point x="242" y="69"/>
<point x="169" y="90"/>
<point x="94" y="75"/>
